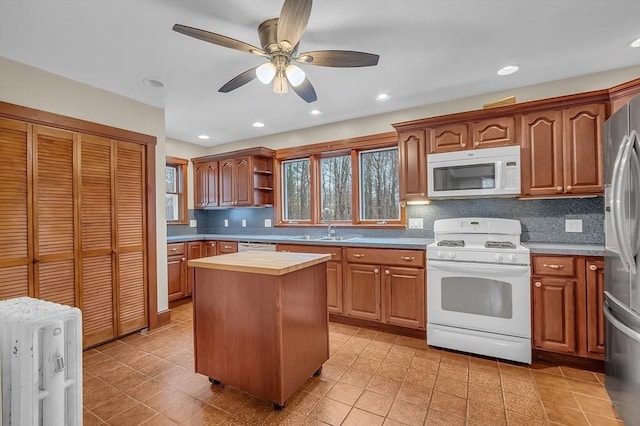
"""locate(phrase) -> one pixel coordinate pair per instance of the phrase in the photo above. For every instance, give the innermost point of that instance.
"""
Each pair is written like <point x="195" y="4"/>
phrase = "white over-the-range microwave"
<point x="489" y="172"/>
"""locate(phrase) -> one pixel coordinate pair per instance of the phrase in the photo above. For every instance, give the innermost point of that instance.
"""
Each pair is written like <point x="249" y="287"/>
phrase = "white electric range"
<point x="478" y="288"/>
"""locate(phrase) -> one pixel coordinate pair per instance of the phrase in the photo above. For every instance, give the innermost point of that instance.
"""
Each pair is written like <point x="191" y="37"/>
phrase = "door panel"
<point x="334" y="287"/>
<point x="449" y="137"/>
<point x="404" y="295"/>
<point x="542" y="153"/>
<point x="211" y="195"/>
<point x="243" y="185"/>
<point x="362" y="292"/>
<point x="554" y="314"/>
<point x="595" y="299"/>
<point x="413" y="165"/>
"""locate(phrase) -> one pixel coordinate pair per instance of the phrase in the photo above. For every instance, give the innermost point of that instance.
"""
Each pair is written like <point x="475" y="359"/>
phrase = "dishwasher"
<point x="256" y="247"/>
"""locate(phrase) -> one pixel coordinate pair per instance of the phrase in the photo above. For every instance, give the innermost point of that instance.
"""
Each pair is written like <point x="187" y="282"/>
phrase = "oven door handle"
<point x="470" y="267"/>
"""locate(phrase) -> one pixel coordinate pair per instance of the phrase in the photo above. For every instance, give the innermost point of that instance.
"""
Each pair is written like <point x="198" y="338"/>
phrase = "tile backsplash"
<point x="542" y="220"/>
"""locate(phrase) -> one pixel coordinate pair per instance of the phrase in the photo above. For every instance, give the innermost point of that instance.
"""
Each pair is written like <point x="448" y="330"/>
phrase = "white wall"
<point x="34" y="88"/>
<point x="382" y="123"/>
<point x="176" y="148"/>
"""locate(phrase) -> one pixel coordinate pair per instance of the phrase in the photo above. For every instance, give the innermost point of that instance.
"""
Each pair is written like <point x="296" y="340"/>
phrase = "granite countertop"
<point x="565" y="248"/>
<point x="405" y="243"/>
<point x="261" y="262"/>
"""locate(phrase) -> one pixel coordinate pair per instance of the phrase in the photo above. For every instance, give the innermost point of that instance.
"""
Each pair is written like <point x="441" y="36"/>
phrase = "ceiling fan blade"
<point x="239" y="80"/>
<point x="306" y="91"/>
<point x="338" y="58"/>
<point x="293" y="20"/>
<point x="218" y="39"/>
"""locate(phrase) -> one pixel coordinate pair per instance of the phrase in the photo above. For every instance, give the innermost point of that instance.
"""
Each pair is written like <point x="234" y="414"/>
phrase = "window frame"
<point x="181" y="186"/>
<point x="400" y="219"/>
<point x="314" y="153"/>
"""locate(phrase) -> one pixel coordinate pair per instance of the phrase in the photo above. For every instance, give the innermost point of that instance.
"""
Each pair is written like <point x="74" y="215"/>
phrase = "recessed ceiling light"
<point x="258" y="124"/>
<point x="315" y="112"/>
<point x="205" y="137"/>
<point x="382" y="97"/>
<point x="509" y="69"/>
<point x="635" y="43"/>
<point x="153" y="83"/>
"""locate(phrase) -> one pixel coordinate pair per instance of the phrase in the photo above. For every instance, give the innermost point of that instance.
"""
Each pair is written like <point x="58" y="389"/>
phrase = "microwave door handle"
<point x="500" y="165"/>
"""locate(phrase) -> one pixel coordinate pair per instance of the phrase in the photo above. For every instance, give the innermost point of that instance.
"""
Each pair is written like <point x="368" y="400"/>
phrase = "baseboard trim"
<point x="590" y="364"/>
<point x="164" y="317"/>
<point x="373" y="325"/>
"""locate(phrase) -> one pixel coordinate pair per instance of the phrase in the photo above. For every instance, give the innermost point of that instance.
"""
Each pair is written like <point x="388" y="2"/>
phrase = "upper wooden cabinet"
<point x="235" y="179"/>
<point x="562" y="151"/>
<point x="489" y="133"/>
<point x="412" y="150"/>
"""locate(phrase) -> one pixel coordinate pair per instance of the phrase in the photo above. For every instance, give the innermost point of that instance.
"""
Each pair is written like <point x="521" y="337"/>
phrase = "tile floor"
<point x="371" y="379"/>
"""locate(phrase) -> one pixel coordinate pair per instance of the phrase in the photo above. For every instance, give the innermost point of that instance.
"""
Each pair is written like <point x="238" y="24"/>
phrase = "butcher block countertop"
<point x="261" y="262"/>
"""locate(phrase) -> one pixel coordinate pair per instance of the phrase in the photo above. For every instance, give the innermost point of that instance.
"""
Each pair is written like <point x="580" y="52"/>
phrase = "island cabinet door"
<point x="404" y="296"/>
<point x="194" y="251"/>
<point x="334" y="287"/>
<point x="362" y="292"/>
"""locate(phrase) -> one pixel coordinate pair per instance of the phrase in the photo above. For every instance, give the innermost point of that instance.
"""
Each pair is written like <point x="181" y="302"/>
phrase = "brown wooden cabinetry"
<point x="567" y="305"/>
<point x="210" y="248"/>
<point x="385" y="285"/>
<point x="562" y="151"/>
<point x="488" y="133"/>
<point x="412" y="150"/>
<point x="195" y="250"/>
<point x="176" y="271"/>
<point x="334" y="271"/>
<point x="235" y="179"/>
<point x="227" y="247"/>
<point x="71" y="238"/>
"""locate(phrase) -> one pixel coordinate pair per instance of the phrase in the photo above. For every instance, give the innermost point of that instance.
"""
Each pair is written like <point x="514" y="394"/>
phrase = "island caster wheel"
<point x="279" y="407"/>
<point x="214" y="381"/>
<point x="317" y="372"/>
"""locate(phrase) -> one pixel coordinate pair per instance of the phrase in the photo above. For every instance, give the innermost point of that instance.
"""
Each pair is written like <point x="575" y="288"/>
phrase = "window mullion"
<point x="355" y="187"/>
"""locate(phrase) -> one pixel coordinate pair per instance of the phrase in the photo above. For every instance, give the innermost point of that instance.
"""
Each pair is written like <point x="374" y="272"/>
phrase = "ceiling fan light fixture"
<point x="266" y="72"/>
<point x="295" y="75"/>
<point x="280" y="85"/>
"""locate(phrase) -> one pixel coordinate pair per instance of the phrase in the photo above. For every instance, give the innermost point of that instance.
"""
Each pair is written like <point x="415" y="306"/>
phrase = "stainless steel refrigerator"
<point x="622" y="262"/>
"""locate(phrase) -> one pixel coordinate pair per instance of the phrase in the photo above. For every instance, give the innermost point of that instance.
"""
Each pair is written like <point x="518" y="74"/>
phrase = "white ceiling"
<point x="430" y="51"/>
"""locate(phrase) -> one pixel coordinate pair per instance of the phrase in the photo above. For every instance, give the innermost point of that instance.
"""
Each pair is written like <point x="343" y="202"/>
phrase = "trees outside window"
<point x="296" y="190"/>
<point x="379" y="188"/>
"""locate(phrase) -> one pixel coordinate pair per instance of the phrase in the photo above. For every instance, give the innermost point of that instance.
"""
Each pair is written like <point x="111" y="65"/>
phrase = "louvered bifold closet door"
<point x="130" y="241"/>
<point x="15" y="261"/>
<point x="96" y="241"/>
<point x="54" y="220"/>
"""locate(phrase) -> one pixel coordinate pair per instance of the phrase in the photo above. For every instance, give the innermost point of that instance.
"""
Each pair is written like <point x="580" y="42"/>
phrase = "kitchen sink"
<point x="337" y="238"/>
<point x="306" y="237"/>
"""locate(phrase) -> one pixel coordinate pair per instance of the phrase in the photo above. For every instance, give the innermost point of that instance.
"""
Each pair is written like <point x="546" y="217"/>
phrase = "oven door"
<point x="488" y="297"/>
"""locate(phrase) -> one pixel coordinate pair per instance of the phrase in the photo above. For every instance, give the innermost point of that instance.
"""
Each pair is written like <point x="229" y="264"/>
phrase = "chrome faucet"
<point x="330" y="231"/>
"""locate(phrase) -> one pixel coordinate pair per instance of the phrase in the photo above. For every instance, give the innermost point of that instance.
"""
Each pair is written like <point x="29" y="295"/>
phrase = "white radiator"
<point x="41" y="363"/>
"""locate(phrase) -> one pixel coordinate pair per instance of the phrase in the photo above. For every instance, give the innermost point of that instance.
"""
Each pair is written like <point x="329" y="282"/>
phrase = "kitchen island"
<point x="261" y="321"/>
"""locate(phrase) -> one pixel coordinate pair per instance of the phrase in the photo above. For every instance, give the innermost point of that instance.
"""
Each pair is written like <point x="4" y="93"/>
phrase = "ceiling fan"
<point x="279" y="38"/>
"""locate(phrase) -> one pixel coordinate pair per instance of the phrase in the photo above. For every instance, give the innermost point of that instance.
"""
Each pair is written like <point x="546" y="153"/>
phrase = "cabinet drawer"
<point x="557" y="266"/>
<point x="335" y="252"/>
<point x="227" y="247"/>
<point x="410" y="258"/>
<point x="175" y="249"/>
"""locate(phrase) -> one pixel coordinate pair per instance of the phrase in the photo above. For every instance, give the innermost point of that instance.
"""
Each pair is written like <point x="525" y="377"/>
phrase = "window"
<point x="350" y="182"/>
<point x="296" y="190"/>
<point x="176" y="190"/>
<point x="379" y="189"/>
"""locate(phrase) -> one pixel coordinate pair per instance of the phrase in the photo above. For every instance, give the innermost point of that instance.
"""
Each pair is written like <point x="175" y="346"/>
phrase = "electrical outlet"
<point x="193" y="223"/>
<point x="226" y="223"/>
<point x="416" y="223"/>
<point x="244" y="223"/>
<point x="267" y="223"/>
<point x="573" y="225"/>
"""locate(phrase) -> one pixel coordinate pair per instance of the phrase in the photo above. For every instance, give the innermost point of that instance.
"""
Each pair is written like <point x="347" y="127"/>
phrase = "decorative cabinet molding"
<point x="413" y="165"/>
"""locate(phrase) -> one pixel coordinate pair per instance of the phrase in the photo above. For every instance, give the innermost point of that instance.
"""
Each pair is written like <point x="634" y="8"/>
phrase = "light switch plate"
<point x="193" y="223"/>
<point x="267" y="223"/>
<point x="416" y="223"/>
<point x="573" y="225"/>
<point x="244" y="223"/>
<point x="226" y="223"/>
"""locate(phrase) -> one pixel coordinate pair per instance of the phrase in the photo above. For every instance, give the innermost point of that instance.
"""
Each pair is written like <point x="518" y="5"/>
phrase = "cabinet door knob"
<point x="376" y="271"/>
<point x="387" y="272"/>
<point x="551" y="266"/>
<point x="569" y="188"/>
<point x="476" y="143"/>
<point x="462" y="144"/>
<point x="407" y="258"/>
<point x="183" y="259"/>
<point x="358" y="255"/>
<point x="538" y="284"/>
<point x="559" y="188"/>
<point x="593" y="267"/>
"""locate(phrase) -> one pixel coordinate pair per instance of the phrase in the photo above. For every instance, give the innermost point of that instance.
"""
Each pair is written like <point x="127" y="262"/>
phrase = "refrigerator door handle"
<point x="617" y="204"/>
<point x="617" y="323"/>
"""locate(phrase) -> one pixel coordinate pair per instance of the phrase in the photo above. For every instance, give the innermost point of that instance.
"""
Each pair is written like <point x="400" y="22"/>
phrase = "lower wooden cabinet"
<point x="362" y="292"/>
<point x="210" y="248"/>
<point x="403" y="292"/>
<point x="227" y="247"/>
<point x="195" y="250"/>
<point x="176" y="270"/>
<point x="567" y="295"/>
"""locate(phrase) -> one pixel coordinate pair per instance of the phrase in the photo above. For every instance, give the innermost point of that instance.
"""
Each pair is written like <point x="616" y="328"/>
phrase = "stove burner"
<point x="500" y="244"/>
<point x="451" y="243"/>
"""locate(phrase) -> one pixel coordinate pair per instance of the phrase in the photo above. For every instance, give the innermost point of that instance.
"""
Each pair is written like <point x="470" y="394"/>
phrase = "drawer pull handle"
<point x="552" y="266"/>
<point x="174" y="249"/>
<point x="358" y="255"/>
<point x="593" y="267"/>
<point x="407" y="258"/>
<point x="227" y="247"/>
<point x="538" y="284"/>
